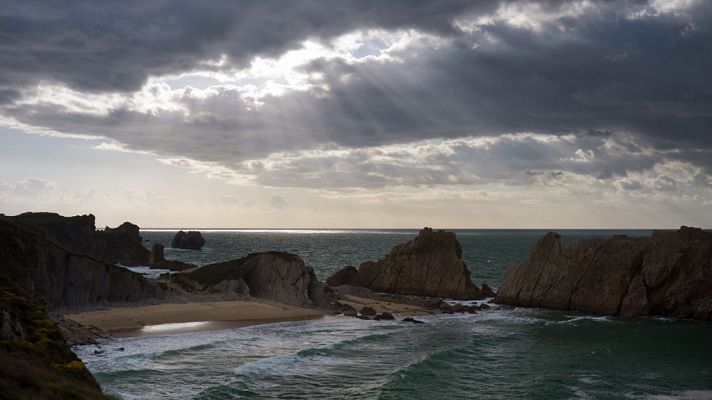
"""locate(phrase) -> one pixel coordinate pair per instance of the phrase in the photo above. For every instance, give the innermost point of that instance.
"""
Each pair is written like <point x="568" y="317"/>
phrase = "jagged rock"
<point x="121" y="245"/>
<point x="368" y="311"/>
<point x="191" y="240"/>
<point x="345" y="276"/>
<point x="487" y="291"/>
<point x="349" y="311"/>
<point x="36" y="361"/>
<point x="412" y="320"/>
<point x="484" y="306"/>
<point x="384" y="316"/>
<point x="77" y="234"/>
<point x="157" y="260"/>
<point x="57" y="276"/>
<point x="669" y="273"/>
<point x="429" y="265"/>
<point x="272" y="275"/>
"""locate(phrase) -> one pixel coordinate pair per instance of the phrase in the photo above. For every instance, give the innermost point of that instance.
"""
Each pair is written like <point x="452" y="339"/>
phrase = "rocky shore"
<point x="667" y="274"/>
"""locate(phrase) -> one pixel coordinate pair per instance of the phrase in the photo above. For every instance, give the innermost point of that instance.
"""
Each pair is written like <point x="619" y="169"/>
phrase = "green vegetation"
<point x="37" y="362"/>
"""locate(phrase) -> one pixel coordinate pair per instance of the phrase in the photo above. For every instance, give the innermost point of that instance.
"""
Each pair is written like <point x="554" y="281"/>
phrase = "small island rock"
<point x="191" y="240"/>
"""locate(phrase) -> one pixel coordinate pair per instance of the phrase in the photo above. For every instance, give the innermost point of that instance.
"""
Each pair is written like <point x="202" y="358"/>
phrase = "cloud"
<point x="448" y="93"/>
<point x="277" y="202"/>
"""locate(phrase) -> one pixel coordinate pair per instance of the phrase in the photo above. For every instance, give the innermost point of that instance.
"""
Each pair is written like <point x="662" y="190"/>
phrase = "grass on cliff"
<point x="36" y="361"/>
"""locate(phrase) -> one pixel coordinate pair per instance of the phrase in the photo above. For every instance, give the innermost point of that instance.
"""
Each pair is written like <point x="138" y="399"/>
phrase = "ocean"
<point x="502" y="353"/>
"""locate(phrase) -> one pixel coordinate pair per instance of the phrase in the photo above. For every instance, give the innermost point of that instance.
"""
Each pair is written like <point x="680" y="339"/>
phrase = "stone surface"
<point x="368" y="311"/>
<point x="384" y="316"/>
<point x="429" y="265"/>
<point x="191" y="240"/>
<point x="120" y="245"/>
<point x="271" y="275"/>
<point x="57" y="276"/>
<point x="669" y="273"/>
<point x="157" y="260"/>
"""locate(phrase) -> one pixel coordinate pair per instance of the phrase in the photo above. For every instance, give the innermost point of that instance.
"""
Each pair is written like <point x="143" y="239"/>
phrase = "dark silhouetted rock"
<point x="272" y="275"/>
<point x="345" y="276"/>
<point x="349" y="311"/>
<point x="157" y="260"/>
<point x="368" y="311"/>
<point x="487" y="291"/>
<point x="57" y="276"/>
<point x="121" y="245"/>
<point x="669" y="273"/>
<point x="429" y="265"/>
<point x="384" y="316"/>
<point x="191" y="240"/>
<point x="36" y="361"/>
<point x="413" y="320"/>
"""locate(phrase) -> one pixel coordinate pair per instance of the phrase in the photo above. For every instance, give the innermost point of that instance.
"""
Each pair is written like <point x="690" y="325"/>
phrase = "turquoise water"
<point x="503" y="353"/>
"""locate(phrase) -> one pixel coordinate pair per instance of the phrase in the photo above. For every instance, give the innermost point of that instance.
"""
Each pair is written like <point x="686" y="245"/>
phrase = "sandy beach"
<point x="133" y="318"/>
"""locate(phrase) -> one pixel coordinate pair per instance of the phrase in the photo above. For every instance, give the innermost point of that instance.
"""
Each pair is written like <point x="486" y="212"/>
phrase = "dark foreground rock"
<point x="157" y="260"/>
<point x="271" y="275"/>
<point x="57" y="276"/>
<point x="430" y="265"/>
<point x="121" y="245"/>
<point x="191" y="240"/>
<point x="669" y="273"/>
<point x="36" y="361"/>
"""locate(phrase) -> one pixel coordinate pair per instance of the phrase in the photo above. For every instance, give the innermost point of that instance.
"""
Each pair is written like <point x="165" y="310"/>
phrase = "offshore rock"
<point x="669" y="273"/>
<point x="191" y="240"/>
<point x="430" y="265"/>
<point x="157" y="260"/>
<point x="271" y="275"/>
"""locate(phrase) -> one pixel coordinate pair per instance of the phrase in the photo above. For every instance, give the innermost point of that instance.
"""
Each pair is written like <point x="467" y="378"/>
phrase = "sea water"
<point x="502" y="353"/>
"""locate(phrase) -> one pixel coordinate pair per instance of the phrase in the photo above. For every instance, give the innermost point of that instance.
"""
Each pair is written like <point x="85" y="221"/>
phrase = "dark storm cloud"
<point x="116" y="45"/>
<point x="618" y="69"/>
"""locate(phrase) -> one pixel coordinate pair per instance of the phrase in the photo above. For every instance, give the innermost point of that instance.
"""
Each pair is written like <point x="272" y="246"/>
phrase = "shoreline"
<point x="122" y="319"/>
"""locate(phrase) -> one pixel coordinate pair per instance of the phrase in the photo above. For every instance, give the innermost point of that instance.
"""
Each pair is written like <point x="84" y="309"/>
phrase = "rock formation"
<point x="191" y="240"/>
<point x="669" y="273"/>
<point x="36" y="361"/>
<point x="121" y="245"/>
<point x="271" y="275"/>
<point x="158" y="261"/>
<point x="37" y="260"/>
<point x="429" y="265"/>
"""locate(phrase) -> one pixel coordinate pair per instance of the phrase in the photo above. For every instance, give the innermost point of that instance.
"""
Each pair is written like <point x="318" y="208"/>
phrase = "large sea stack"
<point x="669" y="273"/>
<point x="191" y="240"/>
<point x="430" y="265"/>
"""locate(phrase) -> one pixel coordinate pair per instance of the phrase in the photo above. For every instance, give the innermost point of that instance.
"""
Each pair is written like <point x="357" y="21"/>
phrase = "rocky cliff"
<point x="429" y="265"/>
<point x="121" y="245"/>
<point x="271" y="275"/>
<point x="669" y="273"/>
<point x="191" y="240"/>
<point x="36" y="361"/>
<point x="157" y="260"/>
<point x="42" y="263"/>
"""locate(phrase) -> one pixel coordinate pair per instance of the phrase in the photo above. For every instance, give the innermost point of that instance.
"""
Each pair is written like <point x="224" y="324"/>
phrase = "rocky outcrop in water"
<point x="36" y="361"/>
<point x="429" y="265"/>
<point x="157" y="260"/>
<point x="37" y="260"/>
<point x="271" y="275"/>
<point x="669" y="273"/>
<point x="191" y="240"/>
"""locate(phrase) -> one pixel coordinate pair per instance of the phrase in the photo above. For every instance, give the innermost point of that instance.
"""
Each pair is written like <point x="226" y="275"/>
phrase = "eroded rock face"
<point x="120" y="245"/>
<point x="669" y="273"/>
<point x="157" y="260"/>
<point x="271" y="275"/>
<point x="58" y="276"/>
<point x="191" y="240"/>
<point x="429" y="265"/>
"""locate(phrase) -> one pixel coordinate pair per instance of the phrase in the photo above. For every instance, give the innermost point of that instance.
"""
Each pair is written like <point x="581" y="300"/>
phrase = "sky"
<point x="359" y="114"/>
